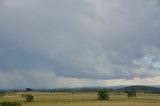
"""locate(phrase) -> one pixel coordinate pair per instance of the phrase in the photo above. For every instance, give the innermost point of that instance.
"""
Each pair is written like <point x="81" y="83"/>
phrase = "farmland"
<point x="83" y="99"/>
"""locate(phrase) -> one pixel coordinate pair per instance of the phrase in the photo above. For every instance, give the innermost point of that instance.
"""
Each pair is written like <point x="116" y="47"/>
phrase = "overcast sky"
<point x="76" y="43"/>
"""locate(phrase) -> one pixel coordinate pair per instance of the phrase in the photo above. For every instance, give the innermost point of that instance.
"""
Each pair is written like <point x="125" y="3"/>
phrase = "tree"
<point x="103" y="95"/>
<point x="10" y="104"/>
<point x="28" y="89"/>
<point x="28" y="97"/>
<point x="131" y="94"/>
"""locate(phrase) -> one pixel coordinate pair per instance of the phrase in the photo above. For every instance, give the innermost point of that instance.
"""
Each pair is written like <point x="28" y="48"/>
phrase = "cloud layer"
<point x="82" y="39"/>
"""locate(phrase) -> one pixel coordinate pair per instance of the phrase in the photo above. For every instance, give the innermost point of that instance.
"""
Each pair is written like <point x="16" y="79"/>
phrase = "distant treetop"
<point x="28" y="89"/>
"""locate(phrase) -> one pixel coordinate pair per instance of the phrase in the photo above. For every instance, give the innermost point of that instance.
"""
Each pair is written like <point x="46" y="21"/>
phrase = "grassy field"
<point x="83" y="99"/>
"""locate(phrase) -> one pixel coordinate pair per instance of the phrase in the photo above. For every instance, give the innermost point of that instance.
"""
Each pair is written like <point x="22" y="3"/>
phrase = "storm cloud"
<point x="80" y="39"/>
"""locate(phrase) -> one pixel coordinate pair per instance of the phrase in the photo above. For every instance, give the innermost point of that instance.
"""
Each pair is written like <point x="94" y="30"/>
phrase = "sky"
<point x="79" y="43"/>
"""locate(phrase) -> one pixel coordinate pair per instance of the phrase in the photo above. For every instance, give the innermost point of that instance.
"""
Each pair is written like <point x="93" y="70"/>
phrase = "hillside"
<point x="145" y="89"/>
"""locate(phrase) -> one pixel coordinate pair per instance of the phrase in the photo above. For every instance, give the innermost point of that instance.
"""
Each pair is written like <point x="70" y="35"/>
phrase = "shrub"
<point x="131" y="94"/>
<point x="103" y="95"/>
<point x="10" y="104"/>
<point x="28" y="97"/>
<point x="2" y="93"/>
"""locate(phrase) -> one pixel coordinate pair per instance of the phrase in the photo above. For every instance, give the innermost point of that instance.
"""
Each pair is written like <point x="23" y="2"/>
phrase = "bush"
<point x="2" y="93"/>
<point x="28" y="97"/>
<point x="10" y="104"/>
<point x="131" y="94"/>
<point x="103" y="95"/>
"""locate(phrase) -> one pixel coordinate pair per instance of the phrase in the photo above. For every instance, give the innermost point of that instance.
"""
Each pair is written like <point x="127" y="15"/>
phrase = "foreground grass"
<point x="83" y="99"/>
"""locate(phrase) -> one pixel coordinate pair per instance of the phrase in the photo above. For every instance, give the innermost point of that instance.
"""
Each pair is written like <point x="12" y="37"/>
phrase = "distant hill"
<point x="145" y="89"/>
<point x="119" y="88"/>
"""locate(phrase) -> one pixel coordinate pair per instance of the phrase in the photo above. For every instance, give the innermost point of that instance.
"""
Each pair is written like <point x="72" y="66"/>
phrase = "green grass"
<point x="83" y="99"/>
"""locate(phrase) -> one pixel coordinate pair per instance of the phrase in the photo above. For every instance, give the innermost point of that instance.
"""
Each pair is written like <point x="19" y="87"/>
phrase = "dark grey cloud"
<point x="94" y="39"/>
